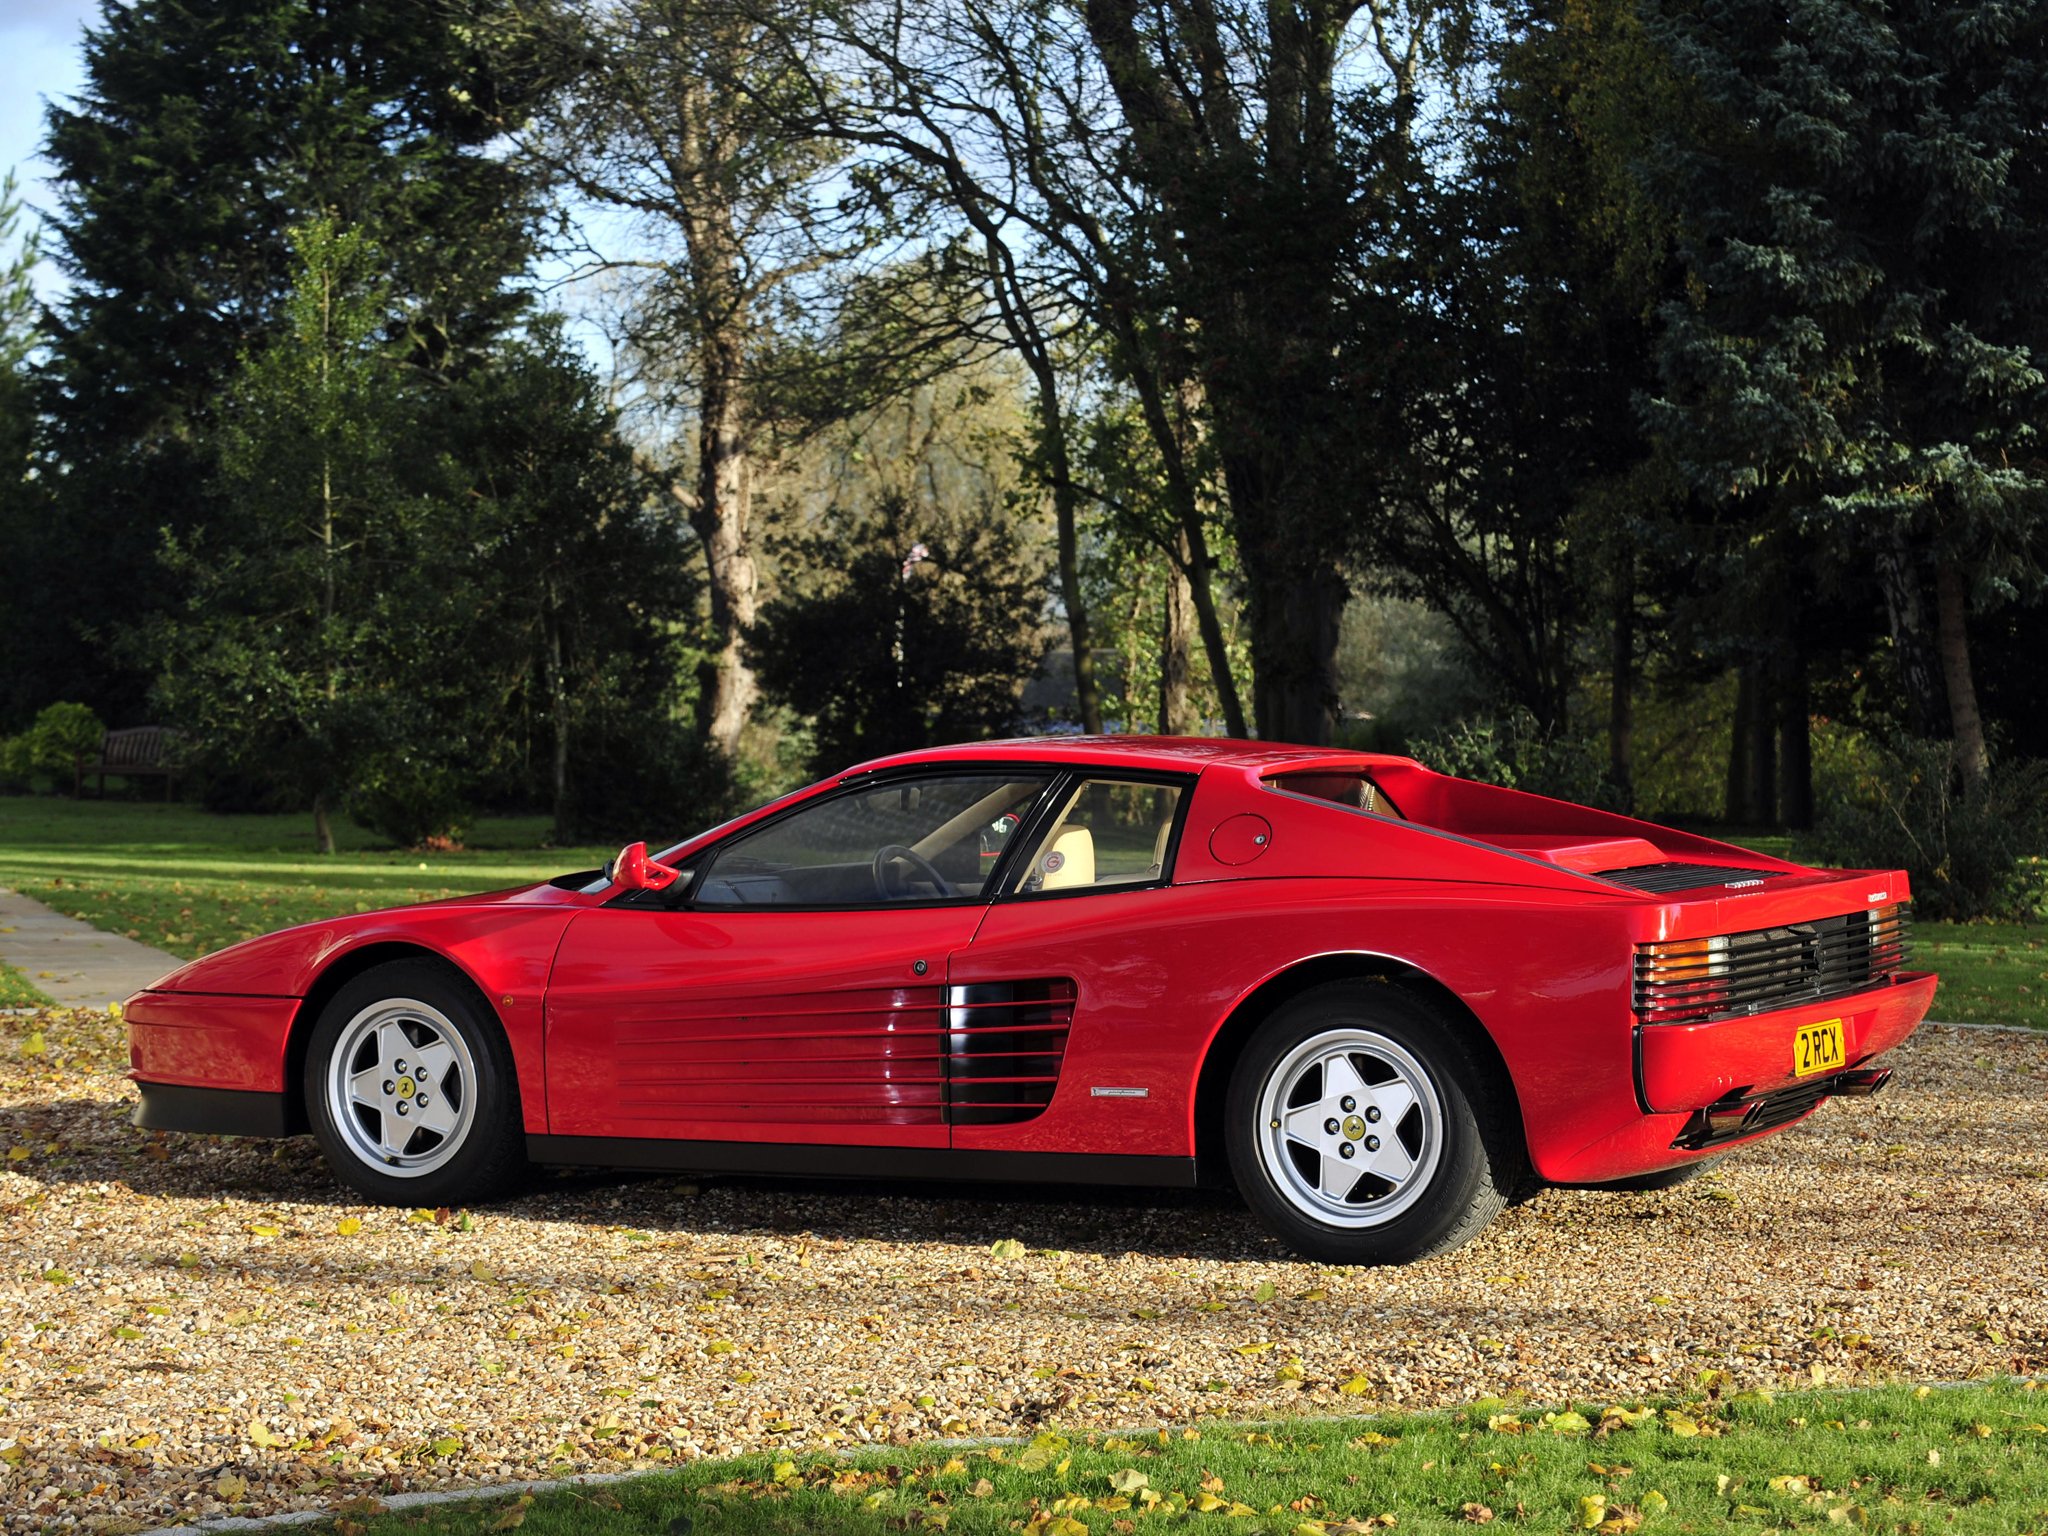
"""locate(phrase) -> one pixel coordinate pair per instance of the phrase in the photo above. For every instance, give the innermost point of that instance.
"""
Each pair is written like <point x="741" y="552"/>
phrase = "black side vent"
<point x="1005" y="1041"/>
<point x="1660" y="879"/>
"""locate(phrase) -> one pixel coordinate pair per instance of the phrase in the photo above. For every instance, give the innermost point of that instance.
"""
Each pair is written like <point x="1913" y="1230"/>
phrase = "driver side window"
<point x="905" y="840"/>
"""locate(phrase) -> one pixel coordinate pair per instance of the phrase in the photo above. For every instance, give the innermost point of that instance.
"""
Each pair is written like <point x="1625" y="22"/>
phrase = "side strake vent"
<point x="1661" y="879"/>
<point x="1004" y="1044"/>
<point x="1686" y="981"/>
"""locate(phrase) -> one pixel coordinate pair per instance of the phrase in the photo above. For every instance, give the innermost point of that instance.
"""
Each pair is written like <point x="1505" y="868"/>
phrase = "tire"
<point x="1649" y="1183"/>
<point x="411" y="1091"/>
<point x="1410" y="1068"/>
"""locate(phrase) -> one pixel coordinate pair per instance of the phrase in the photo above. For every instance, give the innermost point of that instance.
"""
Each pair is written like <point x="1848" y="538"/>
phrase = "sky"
<point x="39" y="59"/>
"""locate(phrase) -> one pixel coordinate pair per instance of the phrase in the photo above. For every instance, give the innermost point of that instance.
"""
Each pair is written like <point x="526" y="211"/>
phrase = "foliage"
<point x="63" y="733"/>
<point x="1515" y="750"/>
<point x="203" y="133"/>
<point x="647" y="777"/>
<point x="886" y="656"/>
<point x="1972" y="850"/>
<point x="1719" y="1462"/>
<point x="314" y="589"/>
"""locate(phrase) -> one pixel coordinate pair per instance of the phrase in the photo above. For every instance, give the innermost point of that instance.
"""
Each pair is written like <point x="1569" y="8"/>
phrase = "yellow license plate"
<point x="1818" y="1048"/>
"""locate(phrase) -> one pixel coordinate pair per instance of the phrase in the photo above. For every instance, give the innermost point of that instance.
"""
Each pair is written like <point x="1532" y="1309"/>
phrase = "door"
<point x="797" y="991"/>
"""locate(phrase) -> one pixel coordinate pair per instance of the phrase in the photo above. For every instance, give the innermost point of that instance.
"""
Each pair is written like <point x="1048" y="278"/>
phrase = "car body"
<point x="1054" y="959"/>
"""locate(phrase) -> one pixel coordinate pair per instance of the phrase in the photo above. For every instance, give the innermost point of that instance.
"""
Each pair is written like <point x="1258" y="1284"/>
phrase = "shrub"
<point x="1513" y="750"/>
<point x="413" y="800"/>
<point x="646" y="779"/>
<point x="61" y="735"/>
<point x="17" y="764"/>
<point x="1971" y="854"/>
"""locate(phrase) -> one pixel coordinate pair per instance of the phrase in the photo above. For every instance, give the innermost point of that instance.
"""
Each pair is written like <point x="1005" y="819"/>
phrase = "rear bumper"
<point x="1686" y="1067"/>
<point x="213" y="1111"/>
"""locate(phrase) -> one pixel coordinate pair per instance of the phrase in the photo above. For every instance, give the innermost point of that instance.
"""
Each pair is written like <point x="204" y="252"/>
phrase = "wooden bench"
<point x="141" y="752"/>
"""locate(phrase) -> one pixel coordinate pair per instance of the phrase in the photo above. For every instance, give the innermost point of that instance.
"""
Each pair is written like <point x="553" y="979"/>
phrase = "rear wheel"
<point x="411" y="1091"/>
<point x="1362" y="1131"/>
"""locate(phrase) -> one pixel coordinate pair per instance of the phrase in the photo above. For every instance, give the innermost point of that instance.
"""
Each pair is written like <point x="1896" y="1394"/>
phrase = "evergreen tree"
<point x="1859" y="351"/>
<point x="205" y="130"/>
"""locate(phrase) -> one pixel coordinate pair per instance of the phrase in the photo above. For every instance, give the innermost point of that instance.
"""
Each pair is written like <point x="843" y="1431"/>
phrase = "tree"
<point x="667" y="114"/>
<point x="205" y="130"/>
<point x="1860" y="354"/>
<point x="574" y="577"/>
<point x="312" y="590"/>
<point x="20" y="495"/>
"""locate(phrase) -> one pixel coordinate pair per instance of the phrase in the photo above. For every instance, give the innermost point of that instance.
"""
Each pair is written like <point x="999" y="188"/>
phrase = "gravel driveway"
<point x="189" y="1327"/>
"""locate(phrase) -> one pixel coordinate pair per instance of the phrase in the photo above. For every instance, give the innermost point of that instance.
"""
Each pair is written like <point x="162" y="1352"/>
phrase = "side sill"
<point x="213" y="1111"/>
<point x="804" y="1160"/>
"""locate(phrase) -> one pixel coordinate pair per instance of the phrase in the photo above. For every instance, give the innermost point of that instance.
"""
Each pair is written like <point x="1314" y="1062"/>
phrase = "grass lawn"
<point x="188" y="882"/>
<point x="1963" y="1461"/>
<point x="15" y="990"/>
<point x="1991" y="973"/>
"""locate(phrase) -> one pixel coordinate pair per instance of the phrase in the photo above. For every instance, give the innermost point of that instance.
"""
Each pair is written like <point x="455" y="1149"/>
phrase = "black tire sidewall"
<point x="494" y="1146"/>
<point x="1470" y="1181"/>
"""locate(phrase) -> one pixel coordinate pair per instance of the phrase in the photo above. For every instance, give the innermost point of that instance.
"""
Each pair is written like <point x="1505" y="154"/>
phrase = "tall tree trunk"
<point x="558" y="715"/>
<point x="1898" y="573"/>
<point x="1175" y="633"/>
<point x="1761" y="793"/>
<point x="1795" y="741"/>
<point x="323" y="824"/>
<point x="1621" y="709"/>
<point x="720" y="513"/>
<point x="1294" y="622"/>
<point x="1741" y="746"/>
<point x="1973" y="757"/>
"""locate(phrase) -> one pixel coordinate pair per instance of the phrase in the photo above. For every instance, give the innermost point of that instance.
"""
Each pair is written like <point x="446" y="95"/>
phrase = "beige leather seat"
<point x="1159" y="847"/>
<point x="1069" y="862"/>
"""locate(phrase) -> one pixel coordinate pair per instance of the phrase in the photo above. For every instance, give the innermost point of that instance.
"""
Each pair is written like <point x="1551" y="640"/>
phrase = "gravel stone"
<point x="193" y="1327"/>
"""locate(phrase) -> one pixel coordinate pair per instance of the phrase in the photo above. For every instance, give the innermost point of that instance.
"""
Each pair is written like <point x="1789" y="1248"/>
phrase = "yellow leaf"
<point x="1654" y="1503"/>
<point x="259" y="1434"/>
<point x="446" y="1446"/>
<point x="17" y="1154"/>
<point x="1007" y="1248"/>
<point x="982" y="1488"/>
<point x="482" y="1271"/>
<point x="1374" y="1437"/>
<point x="1357" y="1386"/>
<point x="1254" y="1349"/>
<point x="35" y="1045"/>
<point x="230" y="1487"/>
<point x="1129" y="1480"/>
<point x="1207" y="1501"/>
<point x="1066" y="1525"/>
<point x="1792" y="1484"/>
<point x="1592" y="1510"/>
<point x="349" y="1226"/>
<point x="264" y="1229"/>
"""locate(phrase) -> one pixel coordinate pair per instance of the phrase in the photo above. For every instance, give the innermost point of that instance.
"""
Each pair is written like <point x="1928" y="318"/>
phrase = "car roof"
<point x="1174" y="754"/>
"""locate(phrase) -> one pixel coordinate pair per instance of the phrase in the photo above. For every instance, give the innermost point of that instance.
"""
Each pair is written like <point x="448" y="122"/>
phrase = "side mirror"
<point x="634" y="871"/>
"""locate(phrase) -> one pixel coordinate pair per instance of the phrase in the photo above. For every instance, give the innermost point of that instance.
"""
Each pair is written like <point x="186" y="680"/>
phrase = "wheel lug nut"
<point x="401" y="1106"/>
<point x="1347" y="1150"/>
<point x="1372" y="1113"/>
<point x="399" y="1065"/>
<point x="1349" y="1103"/>
<point x="1330" y="1125"/>
<point x="421" y="1101"/>
<point x="1372" y="1143"/>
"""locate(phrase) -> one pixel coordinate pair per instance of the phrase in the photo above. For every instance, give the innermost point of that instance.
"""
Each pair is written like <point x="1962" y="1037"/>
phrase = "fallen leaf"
<point x="1477" y="1514"/>
<point x="349" y="1226"/>
<point x="1592" y="1510"/>
<point x="1007" y="1248"/>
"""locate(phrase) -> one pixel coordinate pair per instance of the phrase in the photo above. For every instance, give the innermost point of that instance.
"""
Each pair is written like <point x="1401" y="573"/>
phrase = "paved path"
<point x="71" y="962"/>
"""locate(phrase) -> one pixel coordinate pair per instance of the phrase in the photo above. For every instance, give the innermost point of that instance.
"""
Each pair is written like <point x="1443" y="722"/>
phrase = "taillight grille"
<point x="1004" y="1045"/>
<point x="1682" y="981"/>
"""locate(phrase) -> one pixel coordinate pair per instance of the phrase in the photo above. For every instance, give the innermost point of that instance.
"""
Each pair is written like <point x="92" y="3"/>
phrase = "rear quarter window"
<point x="1353" y="789"/>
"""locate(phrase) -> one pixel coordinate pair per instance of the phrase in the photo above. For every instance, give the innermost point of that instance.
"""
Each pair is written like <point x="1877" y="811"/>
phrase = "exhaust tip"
<point x="1863" y="1082"/>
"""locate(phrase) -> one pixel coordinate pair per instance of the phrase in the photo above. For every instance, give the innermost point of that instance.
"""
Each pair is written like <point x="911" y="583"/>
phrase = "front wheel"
<point x="1362" y="1131"/>
<point x="411" y="1090"/>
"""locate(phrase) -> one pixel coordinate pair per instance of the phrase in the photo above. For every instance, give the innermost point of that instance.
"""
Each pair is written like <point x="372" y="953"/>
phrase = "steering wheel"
<point x="894" y="853"/>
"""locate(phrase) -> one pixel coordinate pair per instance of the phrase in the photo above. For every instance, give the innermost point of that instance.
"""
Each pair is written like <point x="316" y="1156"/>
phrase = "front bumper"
<point x="214" y="1111"/>
<point x="208" y="1040"/>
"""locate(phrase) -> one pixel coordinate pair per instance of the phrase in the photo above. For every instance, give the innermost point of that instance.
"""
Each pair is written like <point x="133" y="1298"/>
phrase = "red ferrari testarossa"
<point x="1378" y="998"/>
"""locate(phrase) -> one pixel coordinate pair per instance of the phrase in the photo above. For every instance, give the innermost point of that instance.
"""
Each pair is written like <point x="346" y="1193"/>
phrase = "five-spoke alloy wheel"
<point x="410" y="1088"/>
<point x="1362" y="1130"/>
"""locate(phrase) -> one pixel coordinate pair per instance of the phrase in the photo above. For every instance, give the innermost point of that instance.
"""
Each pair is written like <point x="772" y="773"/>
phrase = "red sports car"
<point x="1379" y="999"/>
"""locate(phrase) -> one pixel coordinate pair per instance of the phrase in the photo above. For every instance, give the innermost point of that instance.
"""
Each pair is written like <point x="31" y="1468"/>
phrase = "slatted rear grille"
<point x="1731" y="975"/>
<point x="1663" y="879"/>
<point x="1005" y="1042"/>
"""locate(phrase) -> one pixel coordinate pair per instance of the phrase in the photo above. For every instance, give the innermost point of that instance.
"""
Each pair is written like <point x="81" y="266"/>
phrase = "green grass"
<point x="1991" y="973"/>
<point x="189" y="882"/>
<point x="15" y="990"/>
<point x="1964" y="1461"/>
